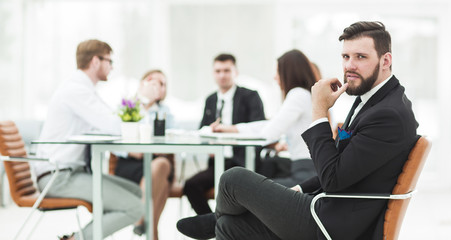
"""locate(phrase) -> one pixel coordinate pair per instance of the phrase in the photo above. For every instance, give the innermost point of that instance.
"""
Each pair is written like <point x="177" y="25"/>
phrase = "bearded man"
<point x="367" y="156"/>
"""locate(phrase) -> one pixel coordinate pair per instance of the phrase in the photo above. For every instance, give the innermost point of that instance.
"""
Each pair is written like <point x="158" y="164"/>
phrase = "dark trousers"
<point x="197" y="186"/>
<point x="251" y="206"/>
<point x="300" y="171"/>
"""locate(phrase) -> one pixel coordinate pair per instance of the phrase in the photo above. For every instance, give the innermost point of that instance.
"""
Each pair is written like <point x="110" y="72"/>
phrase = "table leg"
<point x="97" y="202"/>
<point x="148" y="216"/>
<point x="219" y="167"/>
<point x="250" y="158"/>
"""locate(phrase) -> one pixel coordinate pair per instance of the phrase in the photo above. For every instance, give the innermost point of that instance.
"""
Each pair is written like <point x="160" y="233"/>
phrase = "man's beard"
<point x="365" y="85"/>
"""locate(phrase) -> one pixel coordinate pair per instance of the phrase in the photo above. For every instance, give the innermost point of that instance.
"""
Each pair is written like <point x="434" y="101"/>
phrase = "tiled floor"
<point x="63" y="222"/>
<point x="428" y="217"/>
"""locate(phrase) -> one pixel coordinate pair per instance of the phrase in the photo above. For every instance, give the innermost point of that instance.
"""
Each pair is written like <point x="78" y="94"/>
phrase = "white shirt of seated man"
<point x="76" y="109"/>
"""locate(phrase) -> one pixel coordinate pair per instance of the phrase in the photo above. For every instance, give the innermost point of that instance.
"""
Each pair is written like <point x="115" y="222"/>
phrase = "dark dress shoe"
<point x="139" y="229"/>
<point x="198" y="227"/>
<point x="66" y="237"/>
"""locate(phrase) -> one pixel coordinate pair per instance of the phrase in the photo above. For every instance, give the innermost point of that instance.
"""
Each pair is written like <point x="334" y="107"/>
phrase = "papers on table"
<point x="235" y="136"/>
<point x="206" y="132"/>
<point x="93" y="138"/>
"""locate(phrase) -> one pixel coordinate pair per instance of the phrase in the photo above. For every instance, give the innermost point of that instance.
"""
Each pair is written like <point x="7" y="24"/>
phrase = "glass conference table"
<point x="213" y="144"/>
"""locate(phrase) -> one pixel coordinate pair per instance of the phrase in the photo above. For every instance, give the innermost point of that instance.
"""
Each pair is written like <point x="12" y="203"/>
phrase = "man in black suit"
<point x="366" y="157"/>
<point x="231" y="104"/>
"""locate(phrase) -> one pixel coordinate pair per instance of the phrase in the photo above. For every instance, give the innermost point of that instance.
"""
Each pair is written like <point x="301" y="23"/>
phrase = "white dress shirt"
<point x="227" y="109"/>
<point x="74" y="109"/>
<point x="292" y="119"/>
<point x="227" y="112"/>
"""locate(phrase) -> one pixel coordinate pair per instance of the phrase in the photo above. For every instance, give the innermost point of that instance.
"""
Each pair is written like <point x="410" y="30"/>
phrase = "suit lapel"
<point x="376" y="98"/>
<point x="212" y="108"/>
<point x="236" y="105"/>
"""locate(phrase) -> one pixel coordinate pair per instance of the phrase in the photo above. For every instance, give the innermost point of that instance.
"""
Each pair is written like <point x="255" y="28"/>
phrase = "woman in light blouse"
<point x="295" y="77"/>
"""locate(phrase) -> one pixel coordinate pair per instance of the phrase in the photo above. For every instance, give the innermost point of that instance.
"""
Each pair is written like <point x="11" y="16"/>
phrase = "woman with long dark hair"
<point x="295" y="77"/>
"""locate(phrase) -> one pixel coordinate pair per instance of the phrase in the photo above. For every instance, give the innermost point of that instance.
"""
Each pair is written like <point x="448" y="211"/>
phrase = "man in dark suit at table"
<point x="231" y="104"/>
<point x="366" y="157"/>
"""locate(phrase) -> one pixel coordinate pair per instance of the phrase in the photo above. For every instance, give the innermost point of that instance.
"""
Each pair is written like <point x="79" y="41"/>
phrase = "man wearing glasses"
<point x="75" y="109"/>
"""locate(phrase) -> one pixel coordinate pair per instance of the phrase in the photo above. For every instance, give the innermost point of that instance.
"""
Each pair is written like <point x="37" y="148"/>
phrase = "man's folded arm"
<point x="338" y="170"/>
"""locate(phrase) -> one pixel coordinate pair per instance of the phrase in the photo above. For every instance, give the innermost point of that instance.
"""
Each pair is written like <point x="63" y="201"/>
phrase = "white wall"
<point x="38" y="41"/>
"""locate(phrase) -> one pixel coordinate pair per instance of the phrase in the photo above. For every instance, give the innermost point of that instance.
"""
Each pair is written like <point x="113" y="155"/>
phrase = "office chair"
<point x="22" y="189"/>
<point x="401" y="194"/>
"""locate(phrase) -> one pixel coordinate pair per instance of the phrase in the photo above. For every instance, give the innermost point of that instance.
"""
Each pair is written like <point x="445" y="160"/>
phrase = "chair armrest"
<point x="31" y="159"/>
<point x="369" y="195"/>
<point x="22" y="159"/>
<point x="375" y="196"/>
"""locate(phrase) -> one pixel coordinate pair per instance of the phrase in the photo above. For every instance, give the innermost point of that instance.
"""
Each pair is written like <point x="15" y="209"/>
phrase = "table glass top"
<point x="169" y="139"/>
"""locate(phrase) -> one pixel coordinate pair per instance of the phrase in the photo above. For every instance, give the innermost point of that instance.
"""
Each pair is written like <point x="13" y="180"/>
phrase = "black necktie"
<point x="351" y="112"/>
<point x="219" y="111"/>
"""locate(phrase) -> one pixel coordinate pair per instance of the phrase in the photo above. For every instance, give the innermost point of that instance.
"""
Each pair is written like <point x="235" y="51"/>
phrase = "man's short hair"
<point x="374" y="30"/>
<point x="88" y="49"/>
<point x="225" y="57"/>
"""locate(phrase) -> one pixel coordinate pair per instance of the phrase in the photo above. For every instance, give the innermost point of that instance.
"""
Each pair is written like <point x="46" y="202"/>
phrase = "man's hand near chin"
<point x="324" y="94"/>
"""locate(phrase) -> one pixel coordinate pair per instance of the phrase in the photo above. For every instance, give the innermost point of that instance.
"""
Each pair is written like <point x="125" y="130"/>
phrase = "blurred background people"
<point x="231" y="104"/>
<point x="151" y="93"/>
<point x="295" y="78"/>
<point x="76" y="109"/>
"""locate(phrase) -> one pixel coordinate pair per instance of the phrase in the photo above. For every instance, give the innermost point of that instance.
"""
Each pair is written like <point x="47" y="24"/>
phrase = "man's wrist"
<point x="318" y="114"/>
<point x="318" y="121"/>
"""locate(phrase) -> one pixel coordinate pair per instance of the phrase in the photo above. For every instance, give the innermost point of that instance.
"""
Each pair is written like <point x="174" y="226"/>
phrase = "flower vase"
<point x="130" y="131"/>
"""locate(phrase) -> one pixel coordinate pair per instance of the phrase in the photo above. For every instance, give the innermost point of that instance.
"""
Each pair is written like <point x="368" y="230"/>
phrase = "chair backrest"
<point x="22" y="188"/>
<point x="112" y="164"/>
<point x="29" y="129"/>
<point x="407" y="181"/>
<point x="19" y="174"/>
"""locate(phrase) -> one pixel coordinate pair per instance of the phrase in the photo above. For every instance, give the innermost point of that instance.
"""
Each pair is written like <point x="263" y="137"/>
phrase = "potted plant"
<point x="130" y="113"/>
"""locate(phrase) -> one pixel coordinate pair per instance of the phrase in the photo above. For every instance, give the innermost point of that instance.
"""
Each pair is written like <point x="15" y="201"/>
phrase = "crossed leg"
<point x="251" y="206"/>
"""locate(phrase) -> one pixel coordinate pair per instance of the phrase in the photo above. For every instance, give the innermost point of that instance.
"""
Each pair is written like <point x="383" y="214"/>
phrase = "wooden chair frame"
<point x="41" y="195"/>
<point x="23" y="191"/>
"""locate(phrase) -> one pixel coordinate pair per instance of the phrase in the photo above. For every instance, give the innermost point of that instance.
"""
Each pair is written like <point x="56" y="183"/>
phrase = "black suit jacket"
<point x="383" y="133"/>
<point x="247" y="107"/>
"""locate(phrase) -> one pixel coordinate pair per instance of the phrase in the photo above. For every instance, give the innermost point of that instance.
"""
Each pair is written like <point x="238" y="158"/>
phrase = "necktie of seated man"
<point x="345" y="126"/>
<point x="357" y="101"/>
<point x="219" y="111"/>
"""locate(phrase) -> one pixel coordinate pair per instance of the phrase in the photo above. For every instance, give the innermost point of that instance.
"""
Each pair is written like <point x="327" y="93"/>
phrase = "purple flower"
<point x="128" y="103"/>
<point x="131" y="104"/>
<point x="130" y="110"/>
